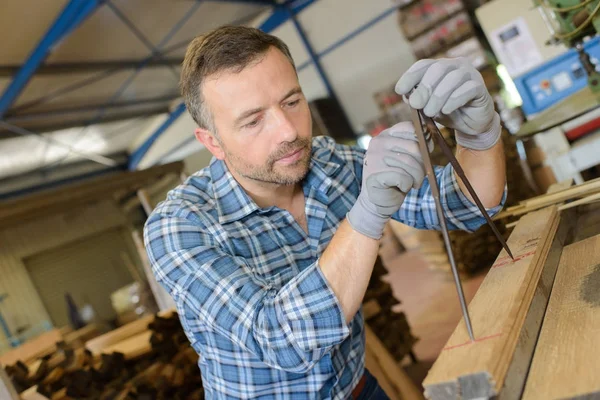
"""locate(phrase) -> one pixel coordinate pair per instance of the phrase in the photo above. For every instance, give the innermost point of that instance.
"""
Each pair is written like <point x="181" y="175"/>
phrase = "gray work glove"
<point x="392" y="166"/>
<point x="453" y="92"/>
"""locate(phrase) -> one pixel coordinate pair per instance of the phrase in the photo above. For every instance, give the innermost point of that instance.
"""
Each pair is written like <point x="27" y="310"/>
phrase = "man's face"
<point x="262" y="120"/>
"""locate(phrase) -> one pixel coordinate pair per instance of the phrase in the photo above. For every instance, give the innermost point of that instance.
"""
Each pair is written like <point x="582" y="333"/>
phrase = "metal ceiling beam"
<point x="32" y="116"/>
<point x="138" y="155"/>
<point x="7" y="134"/>
<point x="281" y="14"/>
<point x="82" y="67"/>
<point x="73" y="14"/>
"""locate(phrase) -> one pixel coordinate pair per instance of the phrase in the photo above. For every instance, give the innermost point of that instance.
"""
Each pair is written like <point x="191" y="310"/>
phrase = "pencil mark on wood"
<point x="470" y="342"/>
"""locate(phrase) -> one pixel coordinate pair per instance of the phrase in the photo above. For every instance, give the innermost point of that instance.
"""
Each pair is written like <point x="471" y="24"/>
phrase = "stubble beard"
<point x="272" y="173"/>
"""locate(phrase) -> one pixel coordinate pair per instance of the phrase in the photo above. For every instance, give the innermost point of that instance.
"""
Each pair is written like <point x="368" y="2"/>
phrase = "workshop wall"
<point x="363" y="52"/>
<point x="23" y="305"/>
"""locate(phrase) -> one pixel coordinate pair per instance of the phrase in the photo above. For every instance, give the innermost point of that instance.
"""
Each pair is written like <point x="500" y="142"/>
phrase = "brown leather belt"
<point x="359" y="387"/>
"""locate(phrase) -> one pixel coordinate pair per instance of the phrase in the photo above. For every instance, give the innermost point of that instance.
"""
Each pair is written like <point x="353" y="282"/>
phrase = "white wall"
<point x="369" y="62"/>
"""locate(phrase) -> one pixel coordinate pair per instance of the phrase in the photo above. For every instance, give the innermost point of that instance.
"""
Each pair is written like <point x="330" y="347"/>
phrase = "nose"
<point x="284" y="129"/>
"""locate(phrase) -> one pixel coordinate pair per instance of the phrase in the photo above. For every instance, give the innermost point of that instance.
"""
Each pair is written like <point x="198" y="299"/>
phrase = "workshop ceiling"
<point x="121" y="63"/>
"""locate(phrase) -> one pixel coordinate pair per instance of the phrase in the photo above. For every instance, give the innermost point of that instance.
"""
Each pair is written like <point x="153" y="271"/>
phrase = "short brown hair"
<point x="226" y="48"/>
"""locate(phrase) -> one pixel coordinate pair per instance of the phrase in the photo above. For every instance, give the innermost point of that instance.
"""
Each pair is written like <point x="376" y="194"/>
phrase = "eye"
<point x="252" y="124"/>
<point x="293" y="103"/>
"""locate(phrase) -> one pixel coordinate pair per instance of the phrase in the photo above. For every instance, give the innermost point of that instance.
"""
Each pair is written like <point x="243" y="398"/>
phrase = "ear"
<point x="209" y="140"/>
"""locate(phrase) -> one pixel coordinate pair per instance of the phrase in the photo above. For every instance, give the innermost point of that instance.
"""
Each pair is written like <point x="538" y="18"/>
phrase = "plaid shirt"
<point x="249" y="292"/>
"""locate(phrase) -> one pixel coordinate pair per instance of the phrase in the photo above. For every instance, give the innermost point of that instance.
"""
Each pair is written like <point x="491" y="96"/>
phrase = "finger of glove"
<point x="403" y="129"/>
<point x="464" y="94"/>
<point x="385" y="186"/>
<point x="413" y="76"/>
<point x="444" y="89"/>
<point x="432" y="77"/>
<point x="406" y="156"/>
<point x="411" y="164"/>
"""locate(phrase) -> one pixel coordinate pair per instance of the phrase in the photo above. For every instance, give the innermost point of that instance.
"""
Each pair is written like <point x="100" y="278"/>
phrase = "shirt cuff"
<point x="459" y="210"/>
<point x="313" y="311"/>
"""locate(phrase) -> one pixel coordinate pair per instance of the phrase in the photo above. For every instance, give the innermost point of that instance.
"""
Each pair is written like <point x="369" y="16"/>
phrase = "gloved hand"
<point x="392" y="166"/>
<point x="453" y="93"/>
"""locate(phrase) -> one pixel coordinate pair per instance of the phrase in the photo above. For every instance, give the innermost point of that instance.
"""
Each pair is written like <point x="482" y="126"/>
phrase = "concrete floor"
<point x="429" y="300"/>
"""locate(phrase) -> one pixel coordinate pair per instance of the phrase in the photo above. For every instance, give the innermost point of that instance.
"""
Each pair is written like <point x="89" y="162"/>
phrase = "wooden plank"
<point x="546" y="200"/>
<point x="98" y="344"/>
<point x="32" y="394"/>
<point x="559" y="186"/>
<point x="36" y="347"/>
<point x="132" y="347"/>
<point x="82" y="335"/>
<point x="567" y="357"/>
<point x="7" y="389"/>
<point x="563" y="207"/>
<point x="392" y="378"/>
<point x="506" y="314"/>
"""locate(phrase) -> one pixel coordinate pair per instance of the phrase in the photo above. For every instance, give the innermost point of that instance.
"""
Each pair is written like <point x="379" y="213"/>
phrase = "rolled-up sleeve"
<point x="289" y="328"/>
<point x="418" y="209"/>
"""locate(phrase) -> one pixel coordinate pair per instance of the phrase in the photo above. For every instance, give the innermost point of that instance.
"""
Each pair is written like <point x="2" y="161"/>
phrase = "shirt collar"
<point x="232" y="201"/>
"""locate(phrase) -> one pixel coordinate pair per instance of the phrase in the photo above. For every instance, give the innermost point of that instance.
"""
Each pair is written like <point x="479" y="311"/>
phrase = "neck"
<point x="267" y="194"/>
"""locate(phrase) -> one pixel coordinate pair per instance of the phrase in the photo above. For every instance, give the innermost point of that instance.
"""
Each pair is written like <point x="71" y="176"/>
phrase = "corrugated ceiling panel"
<point x="25" y="22"/>
<point x="45" y="85"/>
<point x="101" y="37"/>
<point x="211" y="15"/>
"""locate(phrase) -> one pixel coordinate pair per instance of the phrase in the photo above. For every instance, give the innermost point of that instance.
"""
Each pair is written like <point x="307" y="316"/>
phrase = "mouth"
<point x="292" y="157"/>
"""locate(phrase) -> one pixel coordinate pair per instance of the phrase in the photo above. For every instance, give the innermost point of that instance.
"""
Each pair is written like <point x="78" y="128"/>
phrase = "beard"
<point x="270" y="172"/>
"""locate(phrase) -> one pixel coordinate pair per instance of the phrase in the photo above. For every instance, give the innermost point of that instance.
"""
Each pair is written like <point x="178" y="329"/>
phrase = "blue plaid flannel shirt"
<point x="249" y="292"/>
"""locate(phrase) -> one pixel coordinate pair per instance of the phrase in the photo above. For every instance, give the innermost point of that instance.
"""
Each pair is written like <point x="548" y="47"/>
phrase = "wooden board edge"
<point x="516" y="374"/>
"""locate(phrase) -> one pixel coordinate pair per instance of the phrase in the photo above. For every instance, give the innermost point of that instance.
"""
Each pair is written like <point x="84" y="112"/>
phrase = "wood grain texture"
<point x="133" y="347"/>
<point x="101" y="343"/>
<point x="392" y="378"/>
<point x="506" y="312"/>
<point x="567" y="358"/>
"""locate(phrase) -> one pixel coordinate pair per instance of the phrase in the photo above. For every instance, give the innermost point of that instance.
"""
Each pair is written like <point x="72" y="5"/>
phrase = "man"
<point x="268" y="251"/>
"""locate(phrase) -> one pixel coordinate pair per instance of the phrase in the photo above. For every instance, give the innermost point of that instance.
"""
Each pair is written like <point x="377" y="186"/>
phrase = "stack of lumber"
<point x="586" y="193"/>
<point x="389" y="326"/>
<point x="567" y="356"/>
<point x="506" y="315"/>
<point x="154" y="363"/>
<point x="32" y="349"/>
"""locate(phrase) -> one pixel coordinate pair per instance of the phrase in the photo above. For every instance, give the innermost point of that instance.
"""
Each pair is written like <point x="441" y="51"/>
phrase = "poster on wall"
<point x="515" y="47"/>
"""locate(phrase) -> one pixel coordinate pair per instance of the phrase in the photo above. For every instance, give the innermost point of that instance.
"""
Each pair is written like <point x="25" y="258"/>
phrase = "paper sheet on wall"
<point x="515" y="47"/>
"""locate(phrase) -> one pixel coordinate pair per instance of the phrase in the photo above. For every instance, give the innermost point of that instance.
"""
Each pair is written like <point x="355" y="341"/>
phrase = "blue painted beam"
<point x="346" y="38"/>
<point x="75" y="12"/>
<point x="137" y="156"/>
<point x="281" y="15"/>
